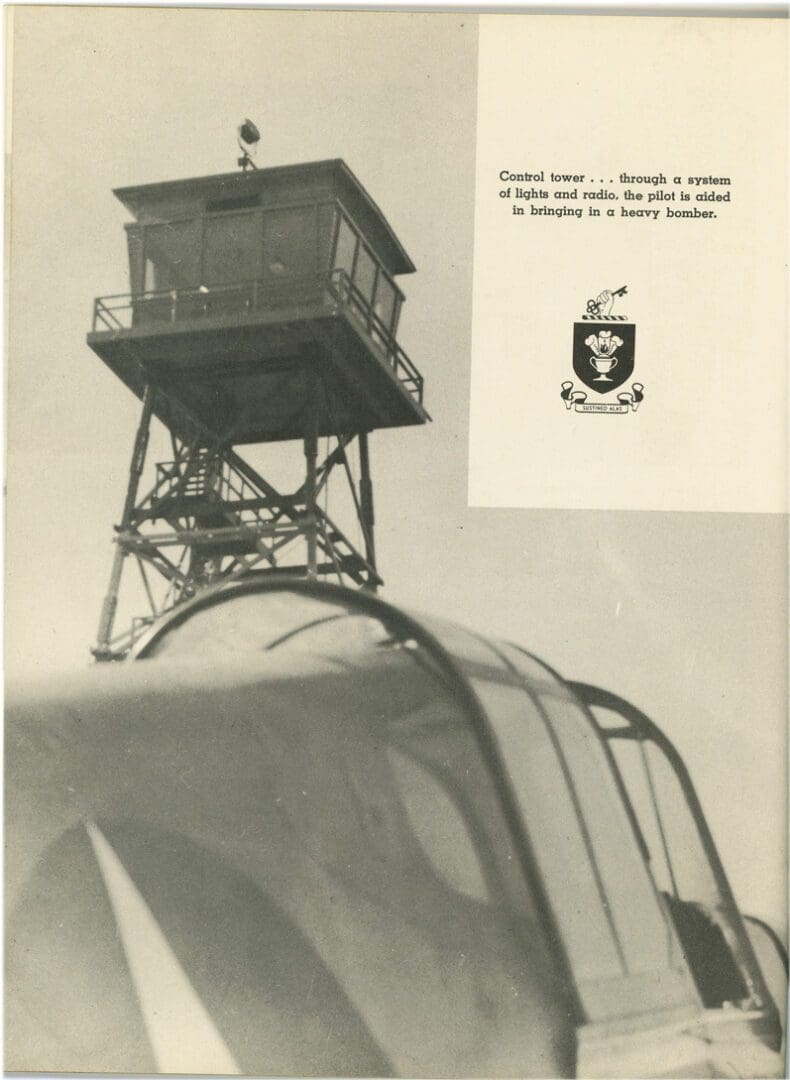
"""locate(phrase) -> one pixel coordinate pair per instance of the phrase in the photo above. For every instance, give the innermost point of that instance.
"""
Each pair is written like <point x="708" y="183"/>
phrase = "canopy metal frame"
<point x="428" y="647"/>
<point x="639" y="728"/>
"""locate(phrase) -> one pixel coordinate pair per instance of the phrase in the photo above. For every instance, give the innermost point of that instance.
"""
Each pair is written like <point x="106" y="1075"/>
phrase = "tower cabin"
<point x="263" y="305"/>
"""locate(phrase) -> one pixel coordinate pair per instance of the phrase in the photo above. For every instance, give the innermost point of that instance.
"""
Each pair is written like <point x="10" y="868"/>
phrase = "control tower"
<point x="263" y="308"/>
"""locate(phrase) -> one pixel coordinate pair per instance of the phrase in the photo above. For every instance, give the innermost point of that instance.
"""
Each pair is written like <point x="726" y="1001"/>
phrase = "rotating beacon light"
<point x="248" y="139"/>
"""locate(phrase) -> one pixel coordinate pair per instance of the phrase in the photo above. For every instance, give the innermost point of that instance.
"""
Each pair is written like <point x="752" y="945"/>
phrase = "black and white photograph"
<point x="396" y="603"/>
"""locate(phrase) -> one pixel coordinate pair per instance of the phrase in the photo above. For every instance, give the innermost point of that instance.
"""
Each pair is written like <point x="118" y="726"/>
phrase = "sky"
<point x="682" y="613"/>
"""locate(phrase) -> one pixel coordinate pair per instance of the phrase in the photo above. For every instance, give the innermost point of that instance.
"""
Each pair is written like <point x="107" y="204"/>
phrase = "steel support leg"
<point x="366" y="501"/>
<point x="311" y="456"/>
<point x="103" y="649"/>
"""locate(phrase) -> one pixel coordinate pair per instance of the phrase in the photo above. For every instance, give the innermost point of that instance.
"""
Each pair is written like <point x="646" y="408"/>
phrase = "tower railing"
<point x="333" y="289"/>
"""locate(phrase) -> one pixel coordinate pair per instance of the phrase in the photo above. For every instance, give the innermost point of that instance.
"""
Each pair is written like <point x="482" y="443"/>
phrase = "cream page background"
<point x="603" y="95"/>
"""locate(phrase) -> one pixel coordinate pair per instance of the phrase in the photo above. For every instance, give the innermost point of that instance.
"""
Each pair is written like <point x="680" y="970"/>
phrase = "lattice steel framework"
<point x="211" y="518"/>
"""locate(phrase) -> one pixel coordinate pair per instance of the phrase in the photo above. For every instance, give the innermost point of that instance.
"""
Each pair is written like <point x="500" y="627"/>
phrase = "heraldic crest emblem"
<point x="603" y="358"/>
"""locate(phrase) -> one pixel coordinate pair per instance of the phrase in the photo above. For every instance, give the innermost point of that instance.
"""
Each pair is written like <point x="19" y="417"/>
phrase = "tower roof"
<point x="169" y="199"/>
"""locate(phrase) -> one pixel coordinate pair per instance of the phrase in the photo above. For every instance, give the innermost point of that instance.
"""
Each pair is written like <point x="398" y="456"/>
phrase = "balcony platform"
<point x="242" y="359"/>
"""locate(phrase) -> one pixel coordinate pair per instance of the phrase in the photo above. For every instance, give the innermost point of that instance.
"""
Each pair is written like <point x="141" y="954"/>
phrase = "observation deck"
<point x="244" y="288"/>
